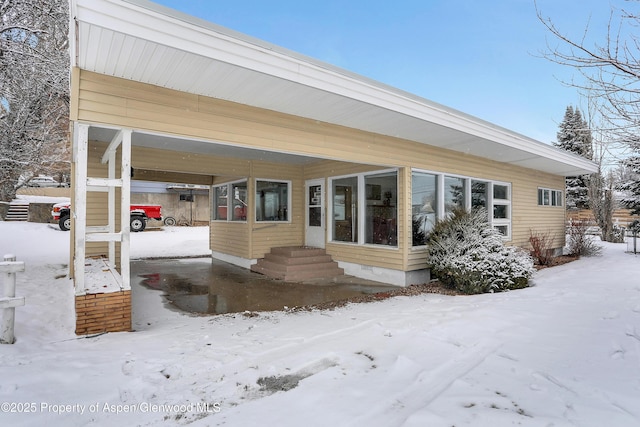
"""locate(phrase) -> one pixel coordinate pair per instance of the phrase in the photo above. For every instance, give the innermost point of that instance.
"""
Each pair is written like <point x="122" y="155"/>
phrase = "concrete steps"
<point x="296" y="263"/>
<point x="18" y="212"/>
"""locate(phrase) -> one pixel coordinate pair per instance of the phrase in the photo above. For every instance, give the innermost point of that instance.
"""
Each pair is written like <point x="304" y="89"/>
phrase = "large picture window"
<point x="365" y="208"/>
<point x="272" y="200"/>
<point x="381" y="213"/>
<point x="479" y="194"/>
<point x="435" y="196"/>
<point x="454" y="194"/>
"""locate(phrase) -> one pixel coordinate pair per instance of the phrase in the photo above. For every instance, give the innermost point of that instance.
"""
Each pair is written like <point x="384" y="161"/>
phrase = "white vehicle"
<point x="45" y="181"/>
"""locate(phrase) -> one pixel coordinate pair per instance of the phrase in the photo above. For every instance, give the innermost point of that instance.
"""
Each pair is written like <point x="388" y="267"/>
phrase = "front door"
<point x="315" y="227"/>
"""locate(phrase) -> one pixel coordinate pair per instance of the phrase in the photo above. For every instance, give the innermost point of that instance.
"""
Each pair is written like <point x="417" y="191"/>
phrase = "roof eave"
<point x="150" y="21"/>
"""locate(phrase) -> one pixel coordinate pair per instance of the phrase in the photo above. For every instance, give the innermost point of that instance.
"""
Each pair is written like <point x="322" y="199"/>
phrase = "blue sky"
<point x="481" y="57"/>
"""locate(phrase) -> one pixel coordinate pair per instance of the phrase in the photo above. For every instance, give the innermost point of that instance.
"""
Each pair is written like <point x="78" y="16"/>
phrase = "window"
<point x="454" y="194"/>
<point x="239" y="191"/>
<point x="219" y="212"/>
<point x="184" y="197"/>
<point x="272" y="200"/>
<point x="223" y="204"/>
<point x="501" y="218"/>
<point x="345" y="209"/>
<point x="435" y="196"/>
<point x="479" y="194"/>
<point x="381" y="222"/>
<point x="424" y="205"/>
<point x="364" y="208"/>
<point x="548" y="197"/>
<point x="314" y="203"/>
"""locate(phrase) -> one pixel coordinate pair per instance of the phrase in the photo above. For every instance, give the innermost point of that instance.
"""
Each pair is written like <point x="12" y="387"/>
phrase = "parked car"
<point x="61" y="213"/>
<point x="45" y="181"/>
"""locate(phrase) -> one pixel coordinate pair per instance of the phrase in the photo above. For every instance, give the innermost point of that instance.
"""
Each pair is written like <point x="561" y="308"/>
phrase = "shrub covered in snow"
<point x="467" y="254"/>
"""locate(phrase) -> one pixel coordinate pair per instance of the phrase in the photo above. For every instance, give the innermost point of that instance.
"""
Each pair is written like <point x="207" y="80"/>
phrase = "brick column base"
<point x="110" y="312"/>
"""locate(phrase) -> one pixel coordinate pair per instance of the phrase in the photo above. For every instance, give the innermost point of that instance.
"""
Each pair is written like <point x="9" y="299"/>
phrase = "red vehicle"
<point x="139" y="215"/>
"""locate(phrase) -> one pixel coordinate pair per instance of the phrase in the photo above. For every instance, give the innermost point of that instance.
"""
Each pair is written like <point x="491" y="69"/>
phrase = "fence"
<point x="621" y="217"/>
<point x="9" y="302"/>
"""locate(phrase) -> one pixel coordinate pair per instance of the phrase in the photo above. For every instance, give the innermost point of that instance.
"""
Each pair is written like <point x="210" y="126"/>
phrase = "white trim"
<point x="125" y="207"/>
<point x="232" y="259"/>
<point x="104" y="237"/>
<point x="230" y="207"/>
<point x="79" y="213"/>
<point x="551" y="191"/>
<point x="314" y="237"/>
<point x="111" y="203"/>
<point x="440" y="199"/>
<point x="362" y="202"/>
<point x="113" y="146"/>
<point x="289" y="200"/>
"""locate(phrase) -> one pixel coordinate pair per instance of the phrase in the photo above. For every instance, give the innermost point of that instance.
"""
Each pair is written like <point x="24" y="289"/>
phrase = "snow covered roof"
<point x="143" y="41"/>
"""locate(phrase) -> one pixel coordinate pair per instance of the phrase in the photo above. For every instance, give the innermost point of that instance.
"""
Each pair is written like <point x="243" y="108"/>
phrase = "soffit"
<point x="141" y="41"/>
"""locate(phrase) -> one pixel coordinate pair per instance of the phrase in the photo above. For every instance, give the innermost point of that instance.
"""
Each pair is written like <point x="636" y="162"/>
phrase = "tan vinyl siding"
<point x="384" y="257"/>
<point x="339" y="150"/>
<point x="417" y="259"/>
<point x="176" y="161"/>
<point x="330" y="168"/>
<point x="232" y="238"/>
<point x="528" y="216"/>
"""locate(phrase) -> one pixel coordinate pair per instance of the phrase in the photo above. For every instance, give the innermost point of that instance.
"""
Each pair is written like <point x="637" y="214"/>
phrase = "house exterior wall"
<point x="195" y="212"/>
<point x="113" y="101"/>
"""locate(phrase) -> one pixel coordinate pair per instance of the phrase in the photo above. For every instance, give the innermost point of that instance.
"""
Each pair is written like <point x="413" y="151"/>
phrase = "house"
<point x="297" y="153"/>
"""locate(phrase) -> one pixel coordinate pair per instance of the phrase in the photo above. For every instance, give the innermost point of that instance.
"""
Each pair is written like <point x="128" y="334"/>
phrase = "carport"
<point x="105" y="160"/>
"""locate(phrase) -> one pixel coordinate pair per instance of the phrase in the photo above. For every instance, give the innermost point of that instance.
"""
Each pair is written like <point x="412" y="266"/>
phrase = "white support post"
<point x="467" y="194"/>
<point x="440" y="196"/>
<point x="9" y="303"/>
<point x="112" y="205"/>
<point x="113" y="146"/>
<point x="125" y="203"/>
<point x="80" y="150"/>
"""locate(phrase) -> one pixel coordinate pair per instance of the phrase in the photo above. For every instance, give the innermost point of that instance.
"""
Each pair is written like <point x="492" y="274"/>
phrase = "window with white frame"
<point x="424" y="205"/>
<point x="549" y="197"/>
<point x="435" y="196"/>
<point x="364" y="208"/>
<point x="273" y="201"/>
<point x="232" y="208"/>
<point x="454" y="194"/>
<point x="501" y="201"/>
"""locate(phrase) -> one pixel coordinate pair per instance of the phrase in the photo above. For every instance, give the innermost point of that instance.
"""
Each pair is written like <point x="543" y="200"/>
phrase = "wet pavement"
<point x="209" y="286"/>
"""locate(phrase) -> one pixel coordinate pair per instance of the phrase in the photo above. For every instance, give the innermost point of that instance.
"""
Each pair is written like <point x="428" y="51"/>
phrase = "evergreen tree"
<point x="631" y="186"/>
<point x="574" y="135"/>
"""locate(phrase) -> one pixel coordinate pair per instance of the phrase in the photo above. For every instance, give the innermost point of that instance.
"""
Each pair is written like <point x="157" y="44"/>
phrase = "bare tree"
<point x="611" y="83"/>
<point x="34" y="91"/>
<point x="611" y="70"/>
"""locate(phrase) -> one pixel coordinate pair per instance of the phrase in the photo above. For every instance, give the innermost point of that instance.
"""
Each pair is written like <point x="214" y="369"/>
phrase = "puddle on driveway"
<point x="209" y="286"/>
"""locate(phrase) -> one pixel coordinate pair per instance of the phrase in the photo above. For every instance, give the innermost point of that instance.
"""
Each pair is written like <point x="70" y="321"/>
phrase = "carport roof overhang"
<point x="142" y="41"/>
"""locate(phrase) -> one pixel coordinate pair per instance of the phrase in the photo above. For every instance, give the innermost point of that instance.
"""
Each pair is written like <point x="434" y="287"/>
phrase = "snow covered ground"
<point x="565" y="352"/>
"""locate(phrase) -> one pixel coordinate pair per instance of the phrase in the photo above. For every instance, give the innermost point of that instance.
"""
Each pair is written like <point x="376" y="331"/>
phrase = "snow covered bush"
<point x="467" y="254"/>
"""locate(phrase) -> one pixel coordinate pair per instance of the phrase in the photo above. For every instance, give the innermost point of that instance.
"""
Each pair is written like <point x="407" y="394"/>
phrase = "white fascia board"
<point x="157" y="24"/>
